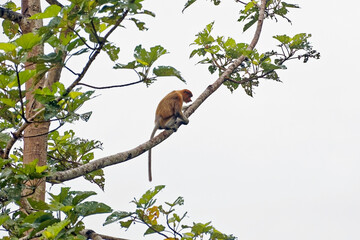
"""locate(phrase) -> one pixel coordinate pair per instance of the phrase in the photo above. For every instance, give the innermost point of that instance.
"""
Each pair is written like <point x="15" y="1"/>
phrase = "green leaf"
<point x="154" y="229"/>
<point x="28" y="40"/>
<point x="148" y="196"/>
<point x="66" y="209"/>
<point x="102" y="27"/>
<point x="81" y="196"/>
<point x="230" y="43"/>
<point x="112" y="51"/>
<point x="289" y="5"/>
<point x="251" y="22"/>
<point x="166" y="71"/>
<point x="40" y="169"/>
<point x="188" y="3"/>
<point x="10" y="28"/>
<point x="126" y="224"/>
<point x="9" y="102"/>
<point x="52" y="231"/>
<point x="48" y="58"/>
<point x="49" y="12"/>
<point x="249" y="6"/>
<point x="148" y="58"/>
<point x="4" y="162"/>
<point x="299" y="41"/>
<point x="3" y="219"/>
<point x="199" y="228"/>
<point x="85" y="116"/>
<point x="7" y="47"/>
<point x="116" y="216"/>
<point x="74" y="95"/>
<point x="139" y="24"/>
<point x="37" y="216"/>
<point x="130" y="65"/>
<point x="24" y="76"/>
<point x="38" y="205"/>
<point x="61" y="196"/>
<point x="30" y="167"/>
<point x="90" y="208"/>
<point x="204" y="37"/>
<point x="283" y="39"/>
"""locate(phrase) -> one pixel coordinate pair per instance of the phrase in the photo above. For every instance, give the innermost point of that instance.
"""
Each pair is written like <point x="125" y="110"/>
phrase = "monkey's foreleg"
<point x="184" y="108"/>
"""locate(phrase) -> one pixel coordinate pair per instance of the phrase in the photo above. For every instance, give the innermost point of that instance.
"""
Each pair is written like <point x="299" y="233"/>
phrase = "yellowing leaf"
<point x="52" y="231"/>
<point x="74" y="95"/>
<point x="7" y="47"/>
<point x="153" y="214"/>
<point x="40" y="169"/>
<point x="103" y="27"/>
<point x="142" y="62"/>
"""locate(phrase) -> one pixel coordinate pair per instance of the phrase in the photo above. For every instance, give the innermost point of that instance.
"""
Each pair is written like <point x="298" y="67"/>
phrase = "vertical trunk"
<point x="35" y="135"/>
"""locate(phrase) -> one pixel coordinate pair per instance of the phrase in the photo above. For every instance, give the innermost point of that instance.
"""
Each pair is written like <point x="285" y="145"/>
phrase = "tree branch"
<point x="11" y="15"/>
<point x="113" y="86"/>
<point x="90" y="234"/>
<point x="54" y="2"/>
<point x="127" y="155"/>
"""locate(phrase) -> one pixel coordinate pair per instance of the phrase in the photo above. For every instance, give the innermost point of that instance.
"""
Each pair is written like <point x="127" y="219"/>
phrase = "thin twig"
<point x="113" y="86"/>
<point x="43" y="134"/>
<point x="54" y="2"/>
<point x="81" y="38"/>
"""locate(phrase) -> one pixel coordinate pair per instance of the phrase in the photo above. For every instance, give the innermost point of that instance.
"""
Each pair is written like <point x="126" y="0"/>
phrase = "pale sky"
<point x="282" y="165"/>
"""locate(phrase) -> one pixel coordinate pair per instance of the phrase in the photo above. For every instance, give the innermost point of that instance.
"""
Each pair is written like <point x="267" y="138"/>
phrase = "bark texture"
<point x="35" y="134"/>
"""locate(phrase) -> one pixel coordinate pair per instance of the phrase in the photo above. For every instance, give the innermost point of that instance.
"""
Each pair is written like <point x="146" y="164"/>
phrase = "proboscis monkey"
<point x="167" y="113"/>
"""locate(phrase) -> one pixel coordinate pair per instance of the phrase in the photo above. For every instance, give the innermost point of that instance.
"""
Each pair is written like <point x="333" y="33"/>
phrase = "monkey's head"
<point x="187" y="94"/>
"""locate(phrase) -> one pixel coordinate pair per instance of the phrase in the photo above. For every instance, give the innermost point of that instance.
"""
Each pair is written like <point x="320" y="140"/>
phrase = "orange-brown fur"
<point x="167" y="113"/>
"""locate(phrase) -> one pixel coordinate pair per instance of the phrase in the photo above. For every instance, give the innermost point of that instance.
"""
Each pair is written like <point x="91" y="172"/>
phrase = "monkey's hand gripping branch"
<point x="132" y="153"/>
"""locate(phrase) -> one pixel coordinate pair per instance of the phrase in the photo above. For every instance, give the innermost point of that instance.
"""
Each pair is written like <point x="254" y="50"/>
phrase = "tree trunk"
<point x="35" y="135"/>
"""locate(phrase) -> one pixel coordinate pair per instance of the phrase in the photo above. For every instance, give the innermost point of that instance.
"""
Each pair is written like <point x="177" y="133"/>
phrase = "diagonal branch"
<point x="127" y="155"/>
<point x="54" y="2"/>
<point x="95" y="54"/>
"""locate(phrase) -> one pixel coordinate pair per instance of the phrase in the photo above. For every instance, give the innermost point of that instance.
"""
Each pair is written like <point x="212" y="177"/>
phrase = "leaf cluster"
<point x="151" y="215"/>
<point x="61" y="218"/>
<point x="15" y="177"/>
<point x="144" y="61"/>
<point x="68" y="151"/>
<point x="220" y="52"/>
<point x="274" y="9"/>
<point x="66" y="108"/>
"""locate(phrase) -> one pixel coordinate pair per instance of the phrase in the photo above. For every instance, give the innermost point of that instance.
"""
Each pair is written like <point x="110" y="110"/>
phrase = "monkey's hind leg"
<point x="171" y="125"/>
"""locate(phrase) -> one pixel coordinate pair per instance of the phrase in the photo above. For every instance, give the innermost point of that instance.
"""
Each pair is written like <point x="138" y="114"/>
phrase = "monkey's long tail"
<point x="149" y="161"/>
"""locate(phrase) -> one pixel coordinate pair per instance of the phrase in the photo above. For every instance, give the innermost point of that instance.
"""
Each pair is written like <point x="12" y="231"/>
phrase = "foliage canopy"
<point x="82" y="28"/>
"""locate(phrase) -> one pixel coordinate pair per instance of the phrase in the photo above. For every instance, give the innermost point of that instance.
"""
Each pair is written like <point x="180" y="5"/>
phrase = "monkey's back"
<point x="169" y="105"/>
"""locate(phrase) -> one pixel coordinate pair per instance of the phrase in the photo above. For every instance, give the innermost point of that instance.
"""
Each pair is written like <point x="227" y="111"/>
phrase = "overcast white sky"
<point x="282" y="165"/>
